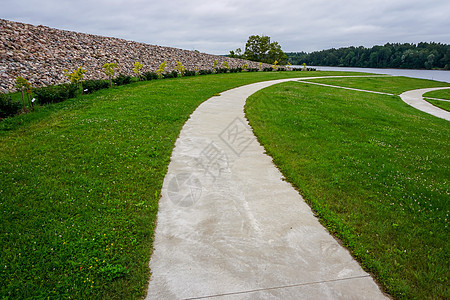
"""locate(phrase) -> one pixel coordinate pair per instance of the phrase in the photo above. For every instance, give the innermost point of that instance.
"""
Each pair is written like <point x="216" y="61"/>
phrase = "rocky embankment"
<point x="40" y="54"/>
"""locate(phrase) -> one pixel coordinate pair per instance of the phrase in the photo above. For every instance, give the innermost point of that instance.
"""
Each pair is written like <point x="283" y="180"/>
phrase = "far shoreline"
<point x="437" y="75"/>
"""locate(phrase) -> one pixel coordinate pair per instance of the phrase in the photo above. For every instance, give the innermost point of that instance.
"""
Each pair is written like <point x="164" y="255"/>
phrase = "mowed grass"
<point x="441" y="104"/>
<point x="374" y="170"/>
<point x="440" y="94"/>
<point x="386" y="84"/>
<point x="80" y="182"/>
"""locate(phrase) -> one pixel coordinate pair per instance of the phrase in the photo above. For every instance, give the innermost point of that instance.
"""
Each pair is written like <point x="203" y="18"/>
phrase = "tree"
<point x="109" y="69"/>
<point x="23" y="85"/>
<point x="236" y="53"/>
<point x="180" y="68"/>
<point x="161" y="68"/>
<point x="137" y="68"/>
<point x="422" y="55"/>
<point x="76" y="77"/>
<point x="260" y="48"/>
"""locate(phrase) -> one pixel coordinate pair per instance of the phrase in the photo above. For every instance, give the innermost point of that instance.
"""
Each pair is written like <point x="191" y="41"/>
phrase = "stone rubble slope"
<point x="40" y="54"/>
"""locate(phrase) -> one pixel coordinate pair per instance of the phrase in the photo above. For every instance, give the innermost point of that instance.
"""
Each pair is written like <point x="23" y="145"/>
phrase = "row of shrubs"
<point x="8" y="107"/>
<point x="61" y="92"/>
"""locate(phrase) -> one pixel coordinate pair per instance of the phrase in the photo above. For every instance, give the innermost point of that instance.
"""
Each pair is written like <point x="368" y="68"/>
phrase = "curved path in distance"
<point x="415" y="99"/>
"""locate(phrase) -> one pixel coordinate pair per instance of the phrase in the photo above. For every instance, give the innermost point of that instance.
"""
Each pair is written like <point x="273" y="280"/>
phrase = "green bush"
<point x="149" y="76"/>
<point x="267" y="69"/>
<point x="122" y="79"/>
<point x="173" y="74"/>
<point x="252" y="70"/>
<point x="221" y="70"/>
<point x="56" y="93"/>
<point x="204" y="72"/>
<point x="91" y="86"/>
<point x="189" y="73"/>
<point x="8" y="107"/>
<point x="235" y="70"/>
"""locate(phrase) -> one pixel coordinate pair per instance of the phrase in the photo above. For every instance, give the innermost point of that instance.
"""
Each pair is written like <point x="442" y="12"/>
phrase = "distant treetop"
<point x="260" y="48"/>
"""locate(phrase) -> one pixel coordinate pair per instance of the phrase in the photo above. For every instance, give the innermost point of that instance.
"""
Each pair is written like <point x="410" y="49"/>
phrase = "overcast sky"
<point x="217" y="26"/>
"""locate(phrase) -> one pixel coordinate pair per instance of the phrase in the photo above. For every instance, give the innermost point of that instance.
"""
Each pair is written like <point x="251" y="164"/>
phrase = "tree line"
<point x="396" y="55"/>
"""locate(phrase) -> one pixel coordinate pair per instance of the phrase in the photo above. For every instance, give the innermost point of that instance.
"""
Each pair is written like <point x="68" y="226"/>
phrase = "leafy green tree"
<point x="391" y="55"/>
<point x="76" y="76"/>
<point x="260" y="48"/>
<point x="161" y="68"/>
<point x="180" y="68"/>
<point x="137" y="68"/>
<point x="236" y="53"/>
<point x="110" y="69"/>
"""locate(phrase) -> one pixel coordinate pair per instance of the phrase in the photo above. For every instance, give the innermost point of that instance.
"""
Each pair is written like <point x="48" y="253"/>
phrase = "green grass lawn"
<point x="374" y="169"/>
<point x="441" y="104"/>
<point x="441" y="94"/>
<point x="80" y="183"/>
<point x="389" y="84"/>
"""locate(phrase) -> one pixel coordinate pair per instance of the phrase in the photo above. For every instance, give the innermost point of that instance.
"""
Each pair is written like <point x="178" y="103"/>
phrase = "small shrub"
<point x="281" y="69"/>
<point x="161" y="68"/>
<point x="23" y="86"/>
<point x="252" y="70"/>
<point x="205" y="72"/>
<point x="76" y="76"/>
<point x="267" y="69"/>
<point x="110" y="69"/>
<point x="180" y="68"/>
<point x="137" y="69"/>
<point x="150" y="76"/>
<point x="91" y="86"/>
<point x="56" y="93"/>
<point x="189" y="73"/>
<point x="8" y="107"/>
<point x="122" y="79"/>
<point x="221" y="70"/>
<point x="173" y="74"/>
<point x="235" y="70"/>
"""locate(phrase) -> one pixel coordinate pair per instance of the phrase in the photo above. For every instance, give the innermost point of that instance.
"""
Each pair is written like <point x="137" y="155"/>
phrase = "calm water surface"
<point x="424" y="74"/>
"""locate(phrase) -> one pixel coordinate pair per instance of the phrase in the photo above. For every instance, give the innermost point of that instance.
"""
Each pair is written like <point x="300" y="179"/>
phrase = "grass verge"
<point x="388" y="84"/>
<point x="80" y="183"/>
<point x="441" y="104"/>
<point x="441" y="94"/>
<point x="374" y="169"/>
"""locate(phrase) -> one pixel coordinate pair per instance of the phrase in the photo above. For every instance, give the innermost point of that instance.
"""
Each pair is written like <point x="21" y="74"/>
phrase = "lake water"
<point x="424" y="74"/>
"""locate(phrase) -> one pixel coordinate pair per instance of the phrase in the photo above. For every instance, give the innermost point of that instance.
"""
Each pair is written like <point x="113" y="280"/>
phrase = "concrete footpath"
<point x="415" y="99"/>
<point x="229" y="227"/>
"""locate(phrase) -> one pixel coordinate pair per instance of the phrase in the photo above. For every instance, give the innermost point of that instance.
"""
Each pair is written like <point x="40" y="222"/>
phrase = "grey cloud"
<point x="219" y="26"/>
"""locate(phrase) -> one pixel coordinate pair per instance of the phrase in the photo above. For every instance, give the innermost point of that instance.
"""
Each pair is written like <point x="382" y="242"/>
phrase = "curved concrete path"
<point x="415" y="99"/>
<point x="229" y="227"/>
